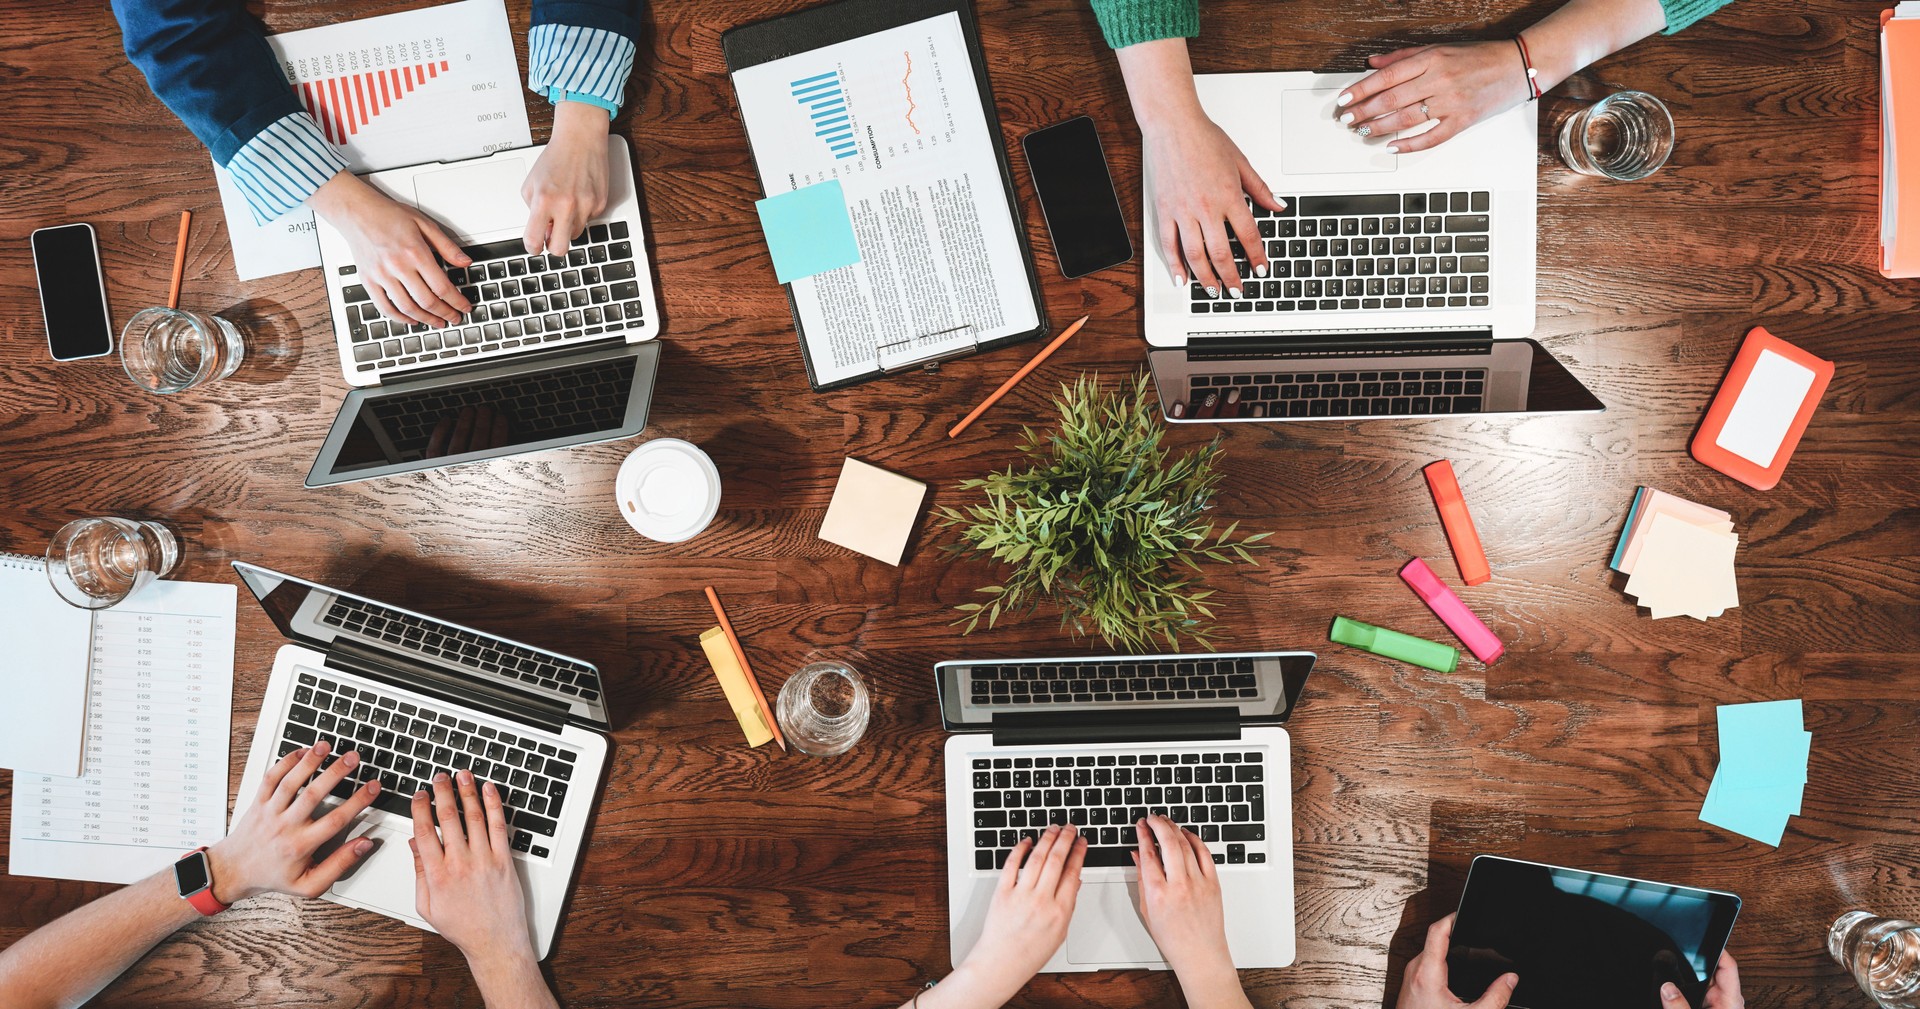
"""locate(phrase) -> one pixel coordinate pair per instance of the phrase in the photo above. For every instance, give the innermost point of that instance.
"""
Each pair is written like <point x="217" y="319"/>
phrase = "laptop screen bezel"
<point x="1296" y="667"/>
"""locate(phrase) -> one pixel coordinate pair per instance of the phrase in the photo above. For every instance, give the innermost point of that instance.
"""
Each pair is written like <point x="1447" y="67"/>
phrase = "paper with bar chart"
<point x="895" y="116"/>
<point x="435" y="84"/>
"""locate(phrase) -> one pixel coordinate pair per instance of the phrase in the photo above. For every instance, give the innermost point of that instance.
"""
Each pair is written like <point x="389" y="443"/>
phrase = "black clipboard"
<point x="776" y="38"/>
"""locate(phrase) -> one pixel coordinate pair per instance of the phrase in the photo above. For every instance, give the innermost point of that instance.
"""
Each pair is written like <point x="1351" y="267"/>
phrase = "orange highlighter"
<point x="1461" y="535"/>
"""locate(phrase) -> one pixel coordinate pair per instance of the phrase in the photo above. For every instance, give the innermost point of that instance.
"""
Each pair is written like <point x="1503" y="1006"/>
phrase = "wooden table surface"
<point x="722" y="876"/>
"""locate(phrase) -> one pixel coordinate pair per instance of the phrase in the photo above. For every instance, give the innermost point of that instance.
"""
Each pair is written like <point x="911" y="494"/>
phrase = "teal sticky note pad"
<point x="1633" y="512"/>
<point x="1755" y="761"/>
<point x="808" y="230"/>
<point x="1759" y="813"/>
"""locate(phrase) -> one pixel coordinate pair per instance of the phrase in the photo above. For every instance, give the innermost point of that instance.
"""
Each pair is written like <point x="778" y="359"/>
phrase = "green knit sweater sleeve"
<point x="1683" y="13"/>
<point x="1130" y="22"/>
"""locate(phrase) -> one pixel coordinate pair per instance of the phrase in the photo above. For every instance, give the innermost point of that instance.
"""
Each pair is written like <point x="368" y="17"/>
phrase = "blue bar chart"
<point x="826" y="104"/>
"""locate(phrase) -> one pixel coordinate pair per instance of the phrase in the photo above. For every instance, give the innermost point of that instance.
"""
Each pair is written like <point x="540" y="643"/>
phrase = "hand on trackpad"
<point x="1107" y="927"/>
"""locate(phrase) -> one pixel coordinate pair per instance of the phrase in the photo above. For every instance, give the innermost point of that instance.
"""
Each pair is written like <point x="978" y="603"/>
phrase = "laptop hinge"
<point x="542" y="356"/>
<point x="410" y="673"/>
<point x="1339" y="344"/>
<point x="1160" y="725"/>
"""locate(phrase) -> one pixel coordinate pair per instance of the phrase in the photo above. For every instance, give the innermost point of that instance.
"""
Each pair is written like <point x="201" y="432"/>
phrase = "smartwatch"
<point x="194" y="876"/>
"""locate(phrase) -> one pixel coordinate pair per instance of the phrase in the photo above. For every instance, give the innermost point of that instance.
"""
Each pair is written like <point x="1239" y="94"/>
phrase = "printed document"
<point x="435" y="84"/>
<point x="896" y="117"/>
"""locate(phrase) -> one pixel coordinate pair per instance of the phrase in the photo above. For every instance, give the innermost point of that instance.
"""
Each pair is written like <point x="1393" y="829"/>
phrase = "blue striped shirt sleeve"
<point x="282" y="165"/>
<point x="586" y="61"/>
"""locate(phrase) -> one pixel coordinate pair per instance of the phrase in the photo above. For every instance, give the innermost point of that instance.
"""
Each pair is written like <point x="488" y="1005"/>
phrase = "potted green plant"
<point x="1104" y="522"/>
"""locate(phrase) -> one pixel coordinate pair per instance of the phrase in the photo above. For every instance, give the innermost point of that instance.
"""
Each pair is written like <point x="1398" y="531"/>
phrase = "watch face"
<point x="191" y="873"/>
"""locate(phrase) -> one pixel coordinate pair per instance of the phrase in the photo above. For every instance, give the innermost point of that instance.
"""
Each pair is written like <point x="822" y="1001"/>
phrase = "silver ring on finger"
<point x="1424" y="114"/>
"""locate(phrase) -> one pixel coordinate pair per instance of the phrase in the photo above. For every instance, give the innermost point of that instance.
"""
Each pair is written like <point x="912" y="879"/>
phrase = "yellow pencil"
<point x="1025" y="370"/>
<point x="726" y="627"/>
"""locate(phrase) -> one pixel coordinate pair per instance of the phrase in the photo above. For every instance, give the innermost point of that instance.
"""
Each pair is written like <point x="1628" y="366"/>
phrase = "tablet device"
<point x="1584" y="940"/>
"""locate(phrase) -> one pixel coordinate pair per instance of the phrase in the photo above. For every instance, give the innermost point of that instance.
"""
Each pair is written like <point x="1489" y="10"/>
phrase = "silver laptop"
<point x="558" y="350"/>
<point x="415" y="696"/>
<point x="1401" y="285"/>
<point x="1098" y="743"/>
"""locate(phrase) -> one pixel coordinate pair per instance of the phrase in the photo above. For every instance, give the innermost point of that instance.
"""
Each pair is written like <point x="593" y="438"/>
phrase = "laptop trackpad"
<point x="384" y="878"/>
<point x="475" y="199"/>
<point x="1107" y="928"/>
<point x="1314" y="143"/>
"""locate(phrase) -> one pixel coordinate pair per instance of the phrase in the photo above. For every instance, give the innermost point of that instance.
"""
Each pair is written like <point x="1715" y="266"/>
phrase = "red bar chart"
<point x="343" y="104"/>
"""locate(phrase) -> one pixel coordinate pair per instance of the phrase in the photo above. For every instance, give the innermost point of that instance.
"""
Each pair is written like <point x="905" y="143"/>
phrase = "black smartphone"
<point x="73" y="294"/>
<point x="1076" y="196"/>
<point x="1584" y="940"/>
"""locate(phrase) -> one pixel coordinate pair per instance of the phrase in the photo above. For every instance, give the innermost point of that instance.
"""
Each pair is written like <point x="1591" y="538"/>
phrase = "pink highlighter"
<point x="1471" y="631"/>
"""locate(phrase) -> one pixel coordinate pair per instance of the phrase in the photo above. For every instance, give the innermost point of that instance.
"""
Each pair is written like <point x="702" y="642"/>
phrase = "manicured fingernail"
<point x="1392" y="149"/>
<point x="1283" y="203"/>
<point x="1179" y="280"/>
<point x="1260" y="271"/>
<point x="1213" y="292"/>
<point x="1346" y="98"/>
<point x="1346" y="117"/>
<point x="1233" y="292"/>
<point x="1365" y="131"/>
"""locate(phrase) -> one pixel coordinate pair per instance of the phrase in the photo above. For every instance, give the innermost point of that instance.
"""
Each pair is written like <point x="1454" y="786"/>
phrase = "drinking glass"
<point x="1882" y="954"/>
<point x="169" y="350"/>
<point x="95" y="563"/>
<point x="823" y="709"/>
<point x="1627" y="135"/>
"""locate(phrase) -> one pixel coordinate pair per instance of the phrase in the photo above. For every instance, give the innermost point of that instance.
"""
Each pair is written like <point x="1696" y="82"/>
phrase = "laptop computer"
<point x="1400" y="285"/>
<point x="1098" y="743"/>
<point x="414" y="696"/>
<point x="557" y="350"/>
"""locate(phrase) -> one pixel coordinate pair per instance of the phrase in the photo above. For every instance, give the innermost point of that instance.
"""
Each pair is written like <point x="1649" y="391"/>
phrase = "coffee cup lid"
<point x="667" y="490"/>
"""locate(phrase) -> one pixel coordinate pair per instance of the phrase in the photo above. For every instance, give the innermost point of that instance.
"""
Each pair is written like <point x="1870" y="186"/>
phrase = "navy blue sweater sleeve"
<point x="208" y="61"/>
<point x="622" y="17"/>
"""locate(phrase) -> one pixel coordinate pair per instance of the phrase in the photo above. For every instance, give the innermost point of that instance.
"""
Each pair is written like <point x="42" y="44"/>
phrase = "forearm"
<point x="1583" y="31"/>
<point x="1215" y="986"/>
<point x="1159" y="80"/>
<point x="68" y="961"/>
<point x="511" y="981"/>
<point x="967" y="988"/>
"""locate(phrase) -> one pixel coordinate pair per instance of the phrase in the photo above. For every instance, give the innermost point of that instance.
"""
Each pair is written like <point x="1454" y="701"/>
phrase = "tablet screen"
<point x="1583" y="940"/>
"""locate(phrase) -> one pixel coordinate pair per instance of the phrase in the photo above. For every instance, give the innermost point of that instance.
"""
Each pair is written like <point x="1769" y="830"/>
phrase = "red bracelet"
<point x="1526" y="60"/>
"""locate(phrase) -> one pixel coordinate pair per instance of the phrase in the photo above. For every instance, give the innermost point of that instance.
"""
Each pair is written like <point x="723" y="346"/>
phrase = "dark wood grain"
<point x="722" y="876"/>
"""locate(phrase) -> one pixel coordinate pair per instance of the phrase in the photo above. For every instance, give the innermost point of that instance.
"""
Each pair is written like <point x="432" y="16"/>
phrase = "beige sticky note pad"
<point x="873" y="511"/>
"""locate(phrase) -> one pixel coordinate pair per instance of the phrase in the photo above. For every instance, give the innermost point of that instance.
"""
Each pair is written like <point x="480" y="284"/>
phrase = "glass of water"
<point x="95" y="563"/>
<point x="1882" y="954"/>
<point x="1627" y="135"/>
<point x="169" y="350"/>
<point x="823" y="709"/>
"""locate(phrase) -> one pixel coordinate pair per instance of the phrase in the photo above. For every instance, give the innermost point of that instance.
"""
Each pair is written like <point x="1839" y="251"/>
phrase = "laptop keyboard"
<point x="1367" y="252"/>
<point x="1221" y="795"/>
<point x="405" y="744"/>
<point x="550" y="404"/>
<point x="430" y="637"/>
<point x="1033" y="684"/>
<point x="518" y="301"/>
<point x="1414" y="393"/>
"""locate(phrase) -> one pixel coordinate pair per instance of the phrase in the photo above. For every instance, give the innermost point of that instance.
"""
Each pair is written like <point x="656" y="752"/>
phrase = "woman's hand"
<point x="1027" y="921"/>
<point x="465" y="885"/>
<point x="568" y="185"/>
<point x="1459" y="85"/>
<point x="1723" y="992"/>
<point x="271" y="848"/>
<point x="394" y="247"/>
<point x="1425" y="985"/>
<point x="1180" y="899"/>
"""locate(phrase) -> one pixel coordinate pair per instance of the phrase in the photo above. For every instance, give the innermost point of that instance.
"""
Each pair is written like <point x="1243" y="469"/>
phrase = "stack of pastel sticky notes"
<point x="1677" y="556"/>
<point x="1763" y="769"/>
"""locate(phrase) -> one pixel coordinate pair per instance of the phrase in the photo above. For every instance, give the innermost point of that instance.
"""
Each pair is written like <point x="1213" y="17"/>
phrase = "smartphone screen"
<point x="1076" y="195"/>
<point x="73" y="299"/>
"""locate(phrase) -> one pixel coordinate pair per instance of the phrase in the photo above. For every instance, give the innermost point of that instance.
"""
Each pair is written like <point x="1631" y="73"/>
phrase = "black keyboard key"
<point x="300" y="735"/>
<point x="1466" y="222"/>
<point x="1243" y="832"/>
<point x="540" y="824"/>
<point x="1336" y="206"/>
<point x="1105" y="856"/>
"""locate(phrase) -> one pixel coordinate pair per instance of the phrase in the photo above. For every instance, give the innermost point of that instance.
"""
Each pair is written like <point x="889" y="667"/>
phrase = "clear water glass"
<point x="823" y="709"/>
<point x="1883" y="954"/>
<point x="98" y="562"/>
<point x="169" y="350"/>
<point x="1627" y="135"/>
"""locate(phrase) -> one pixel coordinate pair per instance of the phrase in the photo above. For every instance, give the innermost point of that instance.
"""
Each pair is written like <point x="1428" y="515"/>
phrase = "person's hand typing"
<point x="394" y="247"/>
<point x="1425" y="985"/>
<point x="568" y="184"/>
<point x="1458" y="85"/>
<point x="272" y="846"/>
<point x="1027" y="921"/>
<point x="464" y="881"/>
<point x="1723" y="992"/>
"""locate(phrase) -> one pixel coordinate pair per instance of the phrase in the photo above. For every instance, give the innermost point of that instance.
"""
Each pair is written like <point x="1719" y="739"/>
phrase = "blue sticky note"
<point x="1633" y="512"/>
<point x="1759" y="813"/>
<point x="808" y="230"/>
<point x="1758" y="761"/>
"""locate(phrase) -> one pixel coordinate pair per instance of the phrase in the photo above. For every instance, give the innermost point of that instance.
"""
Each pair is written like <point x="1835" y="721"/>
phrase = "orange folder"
<point x="1900" y="142"/>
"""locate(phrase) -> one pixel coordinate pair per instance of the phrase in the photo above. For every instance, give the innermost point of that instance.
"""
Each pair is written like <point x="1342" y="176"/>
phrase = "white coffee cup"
<point x="668" y="490"/>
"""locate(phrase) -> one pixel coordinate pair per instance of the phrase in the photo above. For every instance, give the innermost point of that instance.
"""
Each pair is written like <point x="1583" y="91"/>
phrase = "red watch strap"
<point x="203" y="899"/>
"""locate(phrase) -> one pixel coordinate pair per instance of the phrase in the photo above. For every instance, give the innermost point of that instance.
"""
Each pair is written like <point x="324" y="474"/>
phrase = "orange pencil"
<point x="179" y="260"/>
<point x="726" y="627"/>
<point x="1017" y="376"/>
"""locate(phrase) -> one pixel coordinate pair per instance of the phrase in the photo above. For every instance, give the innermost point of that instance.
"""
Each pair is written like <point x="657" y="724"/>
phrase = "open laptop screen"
<point x="1262" y="686"/>
<point x="516" y="407"/>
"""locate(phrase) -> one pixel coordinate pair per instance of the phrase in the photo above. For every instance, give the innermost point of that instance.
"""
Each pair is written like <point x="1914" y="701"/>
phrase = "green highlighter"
<point x="1395" y="645"/>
